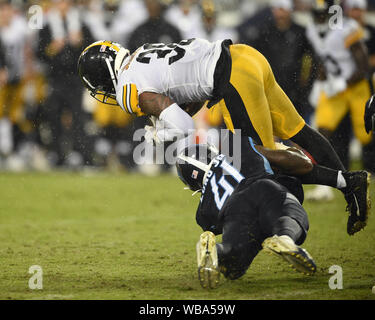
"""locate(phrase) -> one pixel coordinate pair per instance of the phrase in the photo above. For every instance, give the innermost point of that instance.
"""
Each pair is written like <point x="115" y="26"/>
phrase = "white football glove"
<point x="151" y="135"/>
<point x="159" y="132"/>
<point x="334" y="85"/>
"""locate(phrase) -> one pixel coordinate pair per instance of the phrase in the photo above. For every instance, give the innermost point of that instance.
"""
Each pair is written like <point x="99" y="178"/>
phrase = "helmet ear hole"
<point x="193" y="164"/>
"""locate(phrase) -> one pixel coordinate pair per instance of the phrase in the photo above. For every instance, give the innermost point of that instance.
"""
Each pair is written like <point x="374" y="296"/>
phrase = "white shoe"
<point x="208" y="267"/>
<point x="320" y="193"/>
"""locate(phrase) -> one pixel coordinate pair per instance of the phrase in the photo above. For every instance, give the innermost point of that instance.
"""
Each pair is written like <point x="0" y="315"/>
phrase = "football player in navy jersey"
<point x="249" y="204"/>
<point x="252" y="196"/>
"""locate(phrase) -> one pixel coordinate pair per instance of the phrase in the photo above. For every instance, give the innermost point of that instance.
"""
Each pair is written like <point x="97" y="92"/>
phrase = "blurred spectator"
<point x="249" y="30"/>
<point x="289" y="53"/>
<point x="61" y="41"/>
<point x="3" y="70"/>
<point x="344" y="89"/>
<point x="357" y="9"/>
<point x="16" y="57"/>
<point x="210" y="29"/>
<point x="155" y="30"/>
<point x="114" y="20"/>
<point x="186" y="16"/>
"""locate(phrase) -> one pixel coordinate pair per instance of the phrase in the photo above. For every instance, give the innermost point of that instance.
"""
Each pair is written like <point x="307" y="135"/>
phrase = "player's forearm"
<point x="290" y="161"/>
<point x="319" y="147"/>
<point x="154" y="103"/>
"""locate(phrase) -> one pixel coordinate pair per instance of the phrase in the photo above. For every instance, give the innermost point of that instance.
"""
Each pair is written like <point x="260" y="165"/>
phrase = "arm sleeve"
<point x="175" y="123"/>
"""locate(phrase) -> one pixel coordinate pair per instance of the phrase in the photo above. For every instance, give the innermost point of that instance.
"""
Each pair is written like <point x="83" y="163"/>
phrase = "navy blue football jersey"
<point x="240" y="162"/>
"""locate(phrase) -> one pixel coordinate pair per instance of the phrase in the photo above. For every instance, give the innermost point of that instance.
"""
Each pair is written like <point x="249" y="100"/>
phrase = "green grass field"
<point x="118" y="236"/>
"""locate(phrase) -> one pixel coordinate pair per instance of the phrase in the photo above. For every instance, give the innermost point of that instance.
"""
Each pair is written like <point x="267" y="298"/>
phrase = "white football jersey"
<point x="333" y="47"/>
<point x="183" y="71"/>
<point x="13" y="38"/>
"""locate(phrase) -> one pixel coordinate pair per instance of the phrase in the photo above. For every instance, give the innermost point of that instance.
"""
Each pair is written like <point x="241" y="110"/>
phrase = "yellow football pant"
<point x="330" y="111"/>
<point x="11" y="102"/>
<point x="255" y="103"/>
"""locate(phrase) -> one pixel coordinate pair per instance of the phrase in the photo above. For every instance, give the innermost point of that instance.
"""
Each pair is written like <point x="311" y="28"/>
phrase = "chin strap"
<point x="195" y="192"/>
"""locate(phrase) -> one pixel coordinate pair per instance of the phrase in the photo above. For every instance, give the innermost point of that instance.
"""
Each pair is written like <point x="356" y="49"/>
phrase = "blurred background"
<point x="48" y="121"/>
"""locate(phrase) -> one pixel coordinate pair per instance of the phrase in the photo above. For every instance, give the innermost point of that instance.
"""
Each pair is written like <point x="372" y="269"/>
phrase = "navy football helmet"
<point x="193" y="163"/>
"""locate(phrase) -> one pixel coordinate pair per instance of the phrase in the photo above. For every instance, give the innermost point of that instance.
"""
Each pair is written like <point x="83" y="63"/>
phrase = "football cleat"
<point x="357" y="195"/>
<point x="297" y="257"/>
<point x="208" y="267"/>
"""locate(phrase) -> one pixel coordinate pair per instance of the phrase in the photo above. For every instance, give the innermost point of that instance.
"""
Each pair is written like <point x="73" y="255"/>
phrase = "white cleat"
<point x="297" y="257"/>
<point x="320" y="193"/>
<point x="208" y="267"/>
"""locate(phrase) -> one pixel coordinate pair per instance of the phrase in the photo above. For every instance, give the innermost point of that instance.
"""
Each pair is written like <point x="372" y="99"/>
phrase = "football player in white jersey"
<point x="171" y="82"/>
<point x="344" y="70"/>
<point x="337" y="40"/>
<point x="14" y="36"/>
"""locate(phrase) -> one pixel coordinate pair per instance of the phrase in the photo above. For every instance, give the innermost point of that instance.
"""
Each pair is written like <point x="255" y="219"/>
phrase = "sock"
<point x="323" y="176"/>
<point x="341" y="182"/>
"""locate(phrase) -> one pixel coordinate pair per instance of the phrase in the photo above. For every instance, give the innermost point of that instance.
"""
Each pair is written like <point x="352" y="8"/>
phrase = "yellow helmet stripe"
<point x="103" y="43"/>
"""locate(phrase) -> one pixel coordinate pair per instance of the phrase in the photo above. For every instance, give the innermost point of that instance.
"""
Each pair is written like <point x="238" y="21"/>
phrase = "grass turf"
<point x="118" y="236"/>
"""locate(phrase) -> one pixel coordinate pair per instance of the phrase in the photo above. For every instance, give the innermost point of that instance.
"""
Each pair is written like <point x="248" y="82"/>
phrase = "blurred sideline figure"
<point x="284" y="44"/>
<point x="3" y="70"/>
<point x="356" y="9"/>
<point x="60" y="42"/>
<point x="211" y="30"/>
<point x="17" y="62"/>
<point x="105" y="18"/>
<point x="155" y="29"/>
<point x="342" y="79"/>
<point x="185" y="15"/>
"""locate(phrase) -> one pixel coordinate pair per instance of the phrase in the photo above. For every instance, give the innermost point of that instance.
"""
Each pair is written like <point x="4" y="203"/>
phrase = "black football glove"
<point x="370" y="115"/>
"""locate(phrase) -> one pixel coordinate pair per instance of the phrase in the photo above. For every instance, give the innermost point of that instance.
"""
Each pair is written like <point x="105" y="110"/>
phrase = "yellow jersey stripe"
<point x="124" y="91"/>
<point x="354" y="37"/>
<point x="130" y="99"/>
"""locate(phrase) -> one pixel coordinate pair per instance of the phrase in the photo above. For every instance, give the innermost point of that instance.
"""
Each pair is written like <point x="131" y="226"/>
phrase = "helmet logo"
<point x="103" y="48"/>
<point x="194" y="174"/>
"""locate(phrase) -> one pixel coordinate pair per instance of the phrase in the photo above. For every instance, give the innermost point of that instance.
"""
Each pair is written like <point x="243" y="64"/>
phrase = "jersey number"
<point x="228" y="188"/>
<point x="162" y="50"/>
